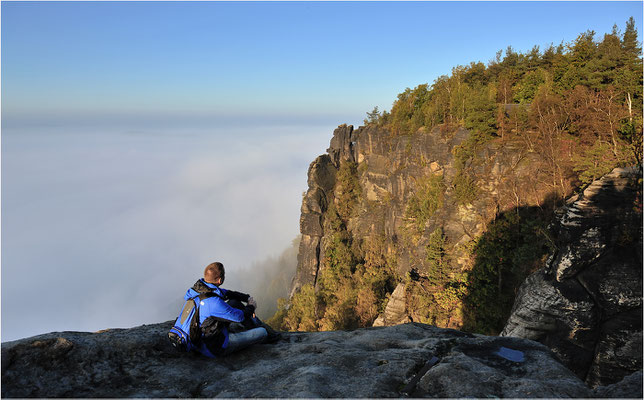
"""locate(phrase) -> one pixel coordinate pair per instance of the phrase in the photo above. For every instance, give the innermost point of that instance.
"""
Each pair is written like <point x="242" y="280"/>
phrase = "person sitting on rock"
<point x="226" y="324"/>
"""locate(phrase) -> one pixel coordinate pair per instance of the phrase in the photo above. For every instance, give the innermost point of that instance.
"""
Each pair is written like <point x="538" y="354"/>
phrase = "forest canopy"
<point x="586" y="94"/>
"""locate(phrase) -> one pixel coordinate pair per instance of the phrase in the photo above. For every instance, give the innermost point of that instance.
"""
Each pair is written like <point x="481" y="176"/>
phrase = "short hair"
<point x="213" y="272"/>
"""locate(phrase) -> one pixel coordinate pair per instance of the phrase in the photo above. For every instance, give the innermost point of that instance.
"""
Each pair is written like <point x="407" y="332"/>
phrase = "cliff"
<point x="416" y="190"/>
<point x="449" y="230"/>
<point x="406" y="360"/>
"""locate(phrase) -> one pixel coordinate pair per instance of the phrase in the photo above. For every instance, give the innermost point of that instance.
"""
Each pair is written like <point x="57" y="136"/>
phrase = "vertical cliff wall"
<point x="463" y="225"/>
<point x="413" y="190"/>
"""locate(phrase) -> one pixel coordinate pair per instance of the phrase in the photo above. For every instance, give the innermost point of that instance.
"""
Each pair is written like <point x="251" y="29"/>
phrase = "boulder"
<point x="629" y="387"/>
<point x="586" y="303"/>
<point x="395" y="312"/>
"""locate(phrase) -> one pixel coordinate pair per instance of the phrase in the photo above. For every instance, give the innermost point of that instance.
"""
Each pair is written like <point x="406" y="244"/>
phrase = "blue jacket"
<point x="217" y="307"/>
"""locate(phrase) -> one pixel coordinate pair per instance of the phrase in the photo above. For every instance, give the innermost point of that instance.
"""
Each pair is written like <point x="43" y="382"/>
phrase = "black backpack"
<point x="186" y="333"/>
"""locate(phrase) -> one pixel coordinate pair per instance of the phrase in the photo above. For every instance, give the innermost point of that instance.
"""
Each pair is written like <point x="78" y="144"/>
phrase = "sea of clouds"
<point x="107" y="227"/>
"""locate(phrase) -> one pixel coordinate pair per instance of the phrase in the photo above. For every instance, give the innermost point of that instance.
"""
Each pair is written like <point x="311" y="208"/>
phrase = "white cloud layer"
<point x="104" y="229"/>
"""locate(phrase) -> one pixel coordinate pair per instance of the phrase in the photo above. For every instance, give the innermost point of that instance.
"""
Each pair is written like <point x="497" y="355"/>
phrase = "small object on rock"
<point x="511" y="355"/>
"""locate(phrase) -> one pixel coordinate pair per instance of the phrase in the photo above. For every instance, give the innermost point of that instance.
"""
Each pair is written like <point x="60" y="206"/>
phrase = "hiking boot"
<point x="273" y="337"/>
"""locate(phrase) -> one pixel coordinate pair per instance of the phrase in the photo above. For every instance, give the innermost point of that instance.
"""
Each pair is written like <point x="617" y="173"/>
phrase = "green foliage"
<point x="465" y="188"/>
<point x="594" y="163"/>
<point x="464" y="153"/>
<point x="407" y="112"/>
<point x="354" y="287"/>
<point x="339" y="307"/>
<point x="374" y="283"/>
<point x="435" y="295"/>
<point x="347" y="190"/>
<point x="448" y="301"/>
<point x="420" y="303"/>
<point x="631" y="133"/>
<point x="481" y="113"/>
<point x="439" y="303"/>
<point x="435" y="257"/>
<point x="529" y="85"/>
<point x="339" y="264"/>
<point x="373" y="117"/>
<point x="277" y="320"/>
<point x="355" y="277"/>
<point x="425" y="201"/>
<point x="576" y="106"/>
<point x="301" y="315"/>
<point x="436" y="109"/>
<point x="475" y="96"/>
<point x="513" y="246"/>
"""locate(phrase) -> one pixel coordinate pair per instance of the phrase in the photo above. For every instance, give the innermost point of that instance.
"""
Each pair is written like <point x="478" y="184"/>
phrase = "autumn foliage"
<point x="578" y="104"/>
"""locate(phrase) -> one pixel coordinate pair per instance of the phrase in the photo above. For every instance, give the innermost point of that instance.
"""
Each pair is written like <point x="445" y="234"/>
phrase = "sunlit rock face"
<point x="586" y="304"/>
<point x="390" y="169"/>
<point x="395" y="312"/>
<point x="406" y="360"/>
<point x="315" y="202"/>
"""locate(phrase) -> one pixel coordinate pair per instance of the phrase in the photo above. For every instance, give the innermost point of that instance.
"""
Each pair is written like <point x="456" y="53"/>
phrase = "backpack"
<point x="185" y="335"/>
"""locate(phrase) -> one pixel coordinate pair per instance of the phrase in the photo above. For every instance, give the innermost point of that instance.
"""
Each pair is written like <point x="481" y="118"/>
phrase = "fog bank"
<point x="109" y="227"/>
<point x="270" y="279"/>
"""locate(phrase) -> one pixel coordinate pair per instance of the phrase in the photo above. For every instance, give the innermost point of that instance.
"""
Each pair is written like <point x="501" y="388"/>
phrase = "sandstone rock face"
<point x="315" y="202"/>
<point x="341" y="147"/>
<point x="586" y="304"/>
<point x="395" y="312"/>
<point x="390" y="170"/>
<point x="371" y="362"/>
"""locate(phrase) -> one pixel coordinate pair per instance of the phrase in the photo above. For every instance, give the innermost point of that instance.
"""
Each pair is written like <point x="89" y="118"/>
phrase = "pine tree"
<point x="436" y="256"/>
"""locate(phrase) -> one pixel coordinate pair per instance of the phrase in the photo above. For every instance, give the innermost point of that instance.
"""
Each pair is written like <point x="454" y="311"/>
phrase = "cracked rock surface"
<point x="586" y="304"/>
<point x="371" y="362"/>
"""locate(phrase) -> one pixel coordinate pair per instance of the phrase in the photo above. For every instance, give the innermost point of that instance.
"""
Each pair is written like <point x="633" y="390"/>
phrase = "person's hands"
<point x="252" y="302"/>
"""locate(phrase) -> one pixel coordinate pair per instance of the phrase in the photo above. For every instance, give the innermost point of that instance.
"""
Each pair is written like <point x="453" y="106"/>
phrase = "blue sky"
<point x="259" y="59"/>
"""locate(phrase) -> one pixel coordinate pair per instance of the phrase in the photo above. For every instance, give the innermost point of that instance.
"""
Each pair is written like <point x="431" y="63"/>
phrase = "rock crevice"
<point x="586" y="304"/>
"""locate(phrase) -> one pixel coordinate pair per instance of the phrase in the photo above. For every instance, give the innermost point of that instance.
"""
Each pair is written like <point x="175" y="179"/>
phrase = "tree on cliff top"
<point x="472" y="95"/>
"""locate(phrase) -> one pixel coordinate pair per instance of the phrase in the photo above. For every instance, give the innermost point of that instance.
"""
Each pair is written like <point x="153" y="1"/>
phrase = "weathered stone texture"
<point x="307" y="262"/>
<point x="371" y="363"/>
<point x="341" y="146"/>
<point x="321" y="180"/>
<point x="593" y="280"/>
<point x="389" y="171"/>
<point x="586" y="304"/>
<point x="395" y="312"/>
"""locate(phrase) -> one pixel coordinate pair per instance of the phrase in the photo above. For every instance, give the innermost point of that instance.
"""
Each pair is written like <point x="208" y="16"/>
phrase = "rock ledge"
<point x="372" y="362"/>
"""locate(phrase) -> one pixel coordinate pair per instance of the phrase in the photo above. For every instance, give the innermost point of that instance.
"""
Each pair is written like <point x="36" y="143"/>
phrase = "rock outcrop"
<point x="586" y="304"/>
<point x="405" y="360"/>
<point x="390" y="169"/>
<point x="321" y="179"/>
<point x="395" y="312"/>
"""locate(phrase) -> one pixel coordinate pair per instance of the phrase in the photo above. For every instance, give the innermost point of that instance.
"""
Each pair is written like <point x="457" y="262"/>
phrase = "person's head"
<point x="214" y="273"/>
